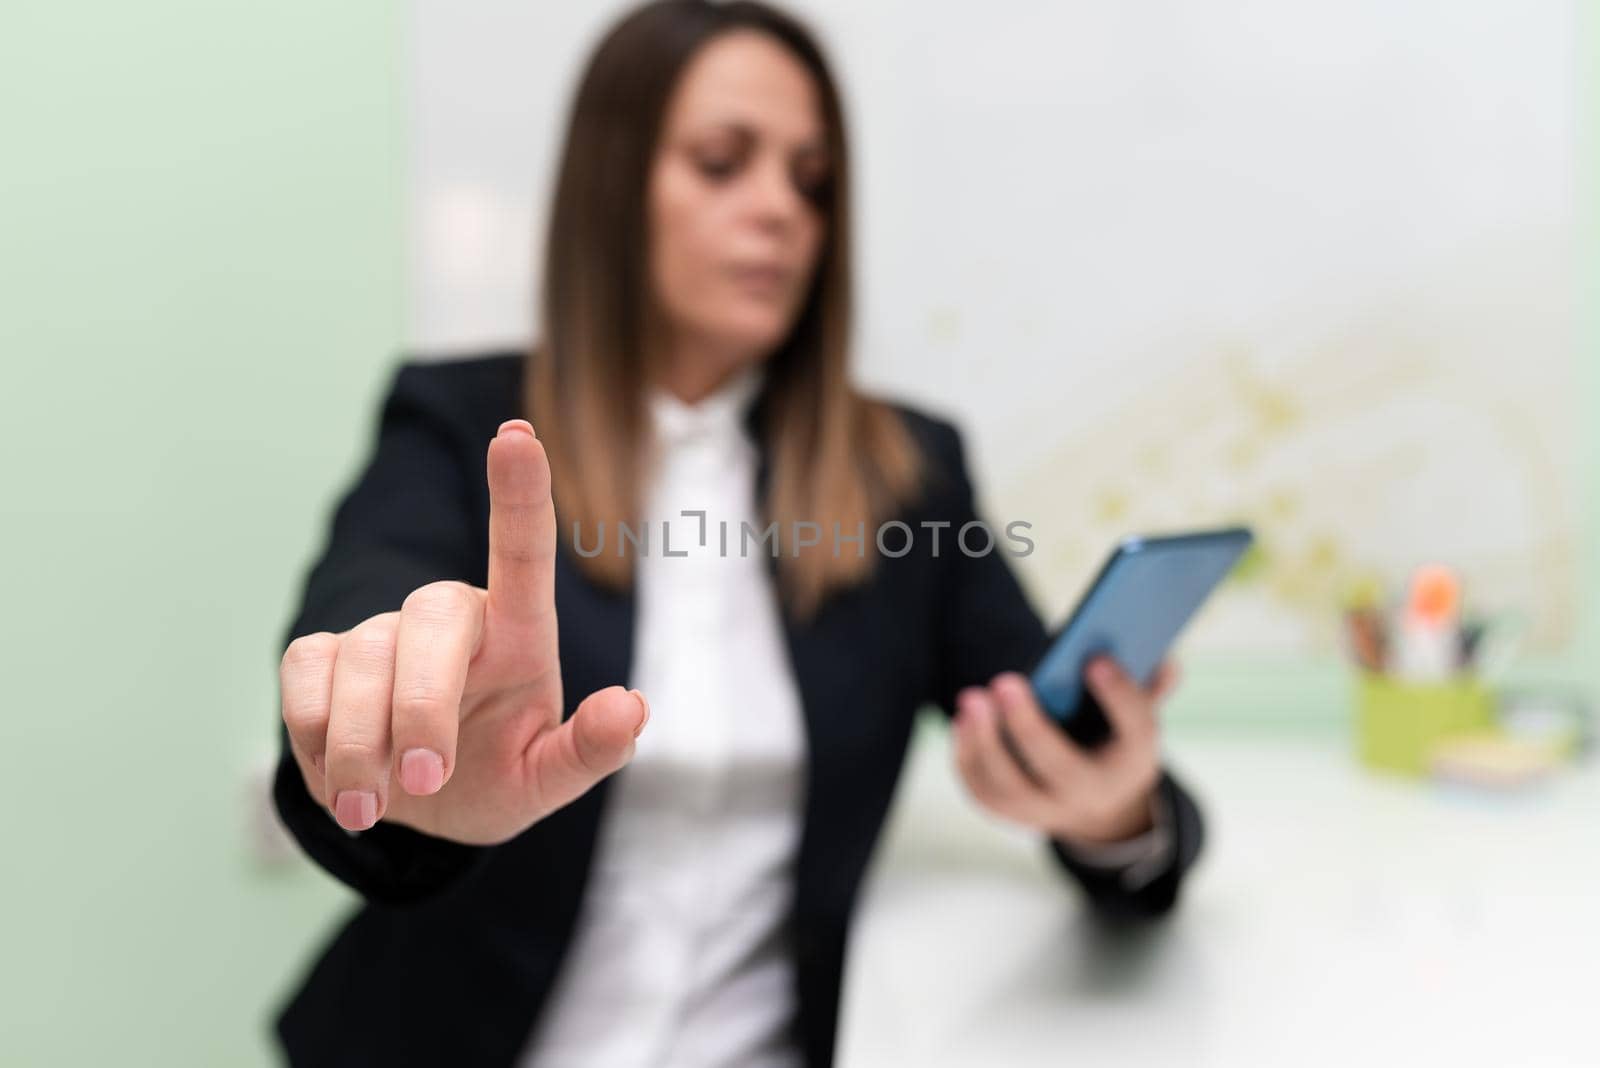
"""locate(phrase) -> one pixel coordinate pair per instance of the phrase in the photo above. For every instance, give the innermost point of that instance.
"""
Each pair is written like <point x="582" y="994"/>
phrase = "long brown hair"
<point x="834" y="454"/>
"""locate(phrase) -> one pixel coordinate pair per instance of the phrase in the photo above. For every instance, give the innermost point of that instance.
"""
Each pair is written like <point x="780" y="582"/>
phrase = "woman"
<point x="452" y="755"/>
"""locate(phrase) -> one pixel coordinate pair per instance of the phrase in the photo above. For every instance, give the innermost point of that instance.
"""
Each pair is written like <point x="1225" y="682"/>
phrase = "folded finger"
<point x="440" y="624"/>
<point x="990" y="771"/>
<point x="1128" y="708"/>
<point x="305" y="681"/>
<point x="1049" y="753"/>
<point x="358" y="723"/>
<point x="1167" y="679"/>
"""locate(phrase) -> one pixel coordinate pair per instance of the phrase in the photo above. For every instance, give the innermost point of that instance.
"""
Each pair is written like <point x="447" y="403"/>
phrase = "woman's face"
<point x="734" y="191"/>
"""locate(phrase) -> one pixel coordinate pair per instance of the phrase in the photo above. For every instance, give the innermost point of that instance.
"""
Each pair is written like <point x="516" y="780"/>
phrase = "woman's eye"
<point x="717" y="168"/>
<point x="813" y="185"/>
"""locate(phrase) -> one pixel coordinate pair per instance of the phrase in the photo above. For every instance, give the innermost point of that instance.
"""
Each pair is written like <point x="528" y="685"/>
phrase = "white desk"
<point x="1335" y="918"/>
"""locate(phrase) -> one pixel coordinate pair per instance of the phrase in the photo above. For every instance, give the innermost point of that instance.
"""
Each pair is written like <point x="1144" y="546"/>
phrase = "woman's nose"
<point x="776" y="200"/>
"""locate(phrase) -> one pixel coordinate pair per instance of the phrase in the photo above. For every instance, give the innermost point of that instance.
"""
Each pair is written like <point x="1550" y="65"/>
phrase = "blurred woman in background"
<point x="547" y="879"/>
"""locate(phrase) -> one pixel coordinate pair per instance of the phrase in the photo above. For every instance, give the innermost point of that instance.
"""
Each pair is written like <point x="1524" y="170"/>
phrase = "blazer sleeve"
<point x="405" y="522"/>
<point x="987" y="625"/>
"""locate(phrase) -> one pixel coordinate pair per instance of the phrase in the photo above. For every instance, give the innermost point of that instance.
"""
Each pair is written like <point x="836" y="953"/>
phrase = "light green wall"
<point x="200" y="258"/>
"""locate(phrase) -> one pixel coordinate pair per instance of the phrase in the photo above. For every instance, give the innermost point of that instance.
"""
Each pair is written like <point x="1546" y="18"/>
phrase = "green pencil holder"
<point x="1399" y="723"/>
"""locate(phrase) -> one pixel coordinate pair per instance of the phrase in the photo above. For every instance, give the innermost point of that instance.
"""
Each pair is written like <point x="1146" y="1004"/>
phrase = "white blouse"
<point x="678" y="957"/>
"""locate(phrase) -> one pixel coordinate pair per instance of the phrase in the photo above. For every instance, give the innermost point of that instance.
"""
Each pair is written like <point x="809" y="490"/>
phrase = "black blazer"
<point x="451" y="956"/>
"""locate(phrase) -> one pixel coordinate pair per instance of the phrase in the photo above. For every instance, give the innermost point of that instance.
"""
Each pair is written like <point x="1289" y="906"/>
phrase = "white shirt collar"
<point x="721" y="413"/>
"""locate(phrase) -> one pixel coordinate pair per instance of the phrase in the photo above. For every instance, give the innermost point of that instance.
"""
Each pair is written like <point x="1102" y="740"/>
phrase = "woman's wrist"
<point x="1127" y="822"/>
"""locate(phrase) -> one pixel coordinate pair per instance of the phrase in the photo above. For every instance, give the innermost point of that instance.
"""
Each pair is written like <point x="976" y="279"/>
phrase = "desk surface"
<point x="1336" y="918"/>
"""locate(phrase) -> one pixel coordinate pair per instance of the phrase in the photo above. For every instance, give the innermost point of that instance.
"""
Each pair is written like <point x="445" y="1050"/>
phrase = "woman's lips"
<point x="764" y="278"/>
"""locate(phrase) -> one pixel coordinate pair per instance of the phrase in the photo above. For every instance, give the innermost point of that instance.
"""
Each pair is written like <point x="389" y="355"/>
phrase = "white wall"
<point x="1307" y="263"/>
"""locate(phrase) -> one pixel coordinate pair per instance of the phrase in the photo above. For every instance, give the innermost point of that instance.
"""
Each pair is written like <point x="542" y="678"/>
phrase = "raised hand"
<point x="446" y="715"/>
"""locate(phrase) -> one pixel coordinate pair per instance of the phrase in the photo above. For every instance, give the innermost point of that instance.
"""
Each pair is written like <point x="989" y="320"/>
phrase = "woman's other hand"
<point x="1020" y="765"/>
<point x="446" y="715"/>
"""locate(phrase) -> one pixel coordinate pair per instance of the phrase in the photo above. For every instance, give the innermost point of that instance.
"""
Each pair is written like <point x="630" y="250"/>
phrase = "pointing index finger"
<point x="522" y="525"/>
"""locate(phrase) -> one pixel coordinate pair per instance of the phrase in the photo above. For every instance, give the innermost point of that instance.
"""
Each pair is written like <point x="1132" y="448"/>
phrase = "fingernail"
<point x="421" y="772"/>
<point x="646" y="705"/>
<point x="356" y="810"/>
<point x="1102" y="671"/>
<point x="515" y="425"/>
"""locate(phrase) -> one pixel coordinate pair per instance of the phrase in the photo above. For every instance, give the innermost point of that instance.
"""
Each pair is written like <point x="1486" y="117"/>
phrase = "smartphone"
<point x="1143" y="597"/>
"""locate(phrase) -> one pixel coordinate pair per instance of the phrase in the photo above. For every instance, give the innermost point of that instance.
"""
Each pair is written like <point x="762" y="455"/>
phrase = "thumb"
<point x="594" y="742"/>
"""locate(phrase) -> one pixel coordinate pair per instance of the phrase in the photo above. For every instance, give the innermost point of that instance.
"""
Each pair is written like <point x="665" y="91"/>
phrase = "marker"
<point x="1429" y="642"/>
